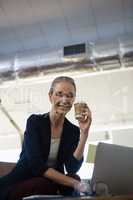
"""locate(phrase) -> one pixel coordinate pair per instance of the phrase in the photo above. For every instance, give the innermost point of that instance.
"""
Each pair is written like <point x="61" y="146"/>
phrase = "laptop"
<point x="113" y="168"/>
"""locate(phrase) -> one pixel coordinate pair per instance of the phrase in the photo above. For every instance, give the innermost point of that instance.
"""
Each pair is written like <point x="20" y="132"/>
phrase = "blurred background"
<point x="89" y="40"/>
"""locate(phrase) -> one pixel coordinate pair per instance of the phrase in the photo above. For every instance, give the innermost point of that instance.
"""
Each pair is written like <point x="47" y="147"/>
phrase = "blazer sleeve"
<point x="32" y="145"/>
<point x="72" y="165"/>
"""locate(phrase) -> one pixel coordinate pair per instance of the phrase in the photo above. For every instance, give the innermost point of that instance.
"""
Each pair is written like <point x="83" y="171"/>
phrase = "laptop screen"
<point x="114" y="168"/>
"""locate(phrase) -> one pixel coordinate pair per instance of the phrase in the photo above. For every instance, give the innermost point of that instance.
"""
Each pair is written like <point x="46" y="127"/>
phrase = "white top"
<point x="53" y="151"/>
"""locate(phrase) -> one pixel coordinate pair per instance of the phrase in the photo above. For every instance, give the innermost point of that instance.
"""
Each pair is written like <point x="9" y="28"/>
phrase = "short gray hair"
<point x="62" y="79"/>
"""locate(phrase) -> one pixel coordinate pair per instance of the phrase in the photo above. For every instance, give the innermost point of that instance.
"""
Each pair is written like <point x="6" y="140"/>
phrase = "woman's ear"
<point x="74" y="99"/>
<point x="50" y="96"/>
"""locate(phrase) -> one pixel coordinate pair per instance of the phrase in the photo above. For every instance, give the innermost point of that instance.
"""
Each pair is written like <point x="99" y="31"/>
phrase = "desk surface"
<point x="109" y="198"/>
<point x="130" y="197"/>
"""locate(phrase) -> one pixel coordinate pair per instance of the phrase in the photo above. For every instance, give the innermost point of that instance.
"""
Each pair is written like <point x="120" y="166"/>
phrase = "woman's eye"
<point x="61" y="94"/>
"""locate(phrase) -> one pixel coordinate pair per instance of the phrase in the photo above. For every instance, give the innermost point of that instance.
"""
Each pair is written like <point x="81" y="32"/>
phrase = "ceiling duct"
<point x="82" y="56"/>
<point x="78" y="51"/>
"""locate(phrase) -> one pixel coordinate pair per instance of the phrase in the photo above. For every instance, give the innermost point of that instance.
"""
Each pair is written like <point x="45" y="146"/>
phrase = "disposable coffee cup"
<point x="79" y="108"/>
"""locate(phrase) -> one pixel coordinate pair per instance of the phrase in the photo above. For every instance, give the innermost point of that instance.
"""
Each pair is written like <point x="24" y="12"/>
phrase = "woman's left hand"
<point x="85" y="122"/>
<point x="84" y="125"/>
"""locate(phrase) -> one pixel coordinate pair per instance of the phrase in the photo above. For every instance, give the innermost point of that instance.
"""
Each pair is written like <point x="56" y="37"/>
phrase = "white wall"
<point x="109" y="95"/>
<point x="123" y="137"/>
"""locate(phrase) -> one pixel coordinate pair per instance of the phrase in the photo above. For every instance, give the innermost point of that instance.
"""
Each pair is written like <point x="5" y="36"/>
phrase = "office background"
<point x="33" y="37"/>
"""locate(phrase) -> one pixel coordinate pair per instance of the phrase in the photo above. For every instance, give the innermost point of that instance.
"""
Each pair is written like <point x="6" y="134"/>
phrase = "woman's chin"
<point x="62" y="112"/>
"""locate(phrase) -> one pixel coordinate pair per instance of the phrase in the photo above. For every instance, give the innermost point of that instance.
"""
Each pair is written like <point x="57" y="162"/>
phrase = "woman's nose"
<point x="64" y="99"/>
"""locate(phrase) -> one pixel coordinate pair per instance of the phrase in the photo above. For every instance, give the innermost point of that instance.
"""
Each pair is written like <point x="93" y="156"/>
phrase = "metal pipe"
<point x="20" y="132"/>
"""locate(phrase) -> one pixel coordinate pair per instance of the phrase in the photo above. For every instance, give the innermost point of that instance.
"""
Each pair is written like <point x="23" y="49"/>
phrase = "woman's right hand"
<point x="82" y="187"/>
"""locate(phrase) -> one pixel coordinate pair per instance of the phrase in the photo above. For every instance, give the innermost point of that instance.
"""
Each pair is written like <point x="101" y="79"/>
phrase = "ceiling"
<point x="34" y="32"/>
<point x="32" y="36"/>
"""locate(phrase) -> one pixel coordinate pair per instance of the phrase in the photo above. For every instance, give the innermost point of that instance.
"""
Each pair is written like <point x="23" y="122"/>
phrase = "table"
<point x="44" y="197"/>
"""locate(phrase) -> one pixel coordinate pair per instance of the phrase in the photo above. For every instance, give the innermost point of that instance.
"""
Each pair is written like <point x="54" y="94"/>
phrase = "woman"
<point x="51" y="142"/>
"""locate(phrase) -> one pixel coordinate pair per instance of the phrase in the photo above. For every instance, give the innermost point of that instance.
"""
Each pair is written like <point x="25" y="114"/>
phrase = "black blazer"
<point x="36" y="147"/>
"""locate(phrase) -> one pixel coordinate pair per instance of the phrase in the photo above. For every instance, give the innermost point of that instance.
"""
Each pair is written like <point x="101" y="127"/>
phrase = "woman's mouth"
<point x="64" y="106"/>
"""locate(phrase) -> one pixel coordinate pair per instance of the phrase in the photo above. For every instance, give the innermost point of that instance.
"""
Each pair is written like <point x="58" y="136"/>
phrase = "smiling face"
<point x="62" y="97"/>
